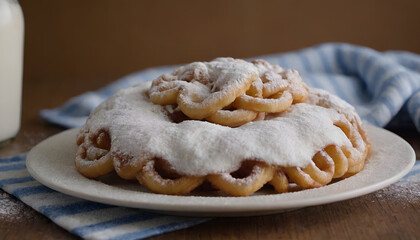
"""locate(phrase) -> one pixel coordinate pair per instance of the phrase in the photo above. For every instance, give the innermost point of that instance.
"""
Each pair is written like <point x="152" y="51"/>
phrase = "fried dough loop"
<point x="316" y="174"/>
<point x="232" y="118"/>
<point x="246" y="180"/>
<point x="229" y="92"/>
<point x="276" y="79"/>
<point x="173" y="185"/>
<point x="207" y="90"/>
<point x="201" y="89"/>
<point x="93" y="158"/>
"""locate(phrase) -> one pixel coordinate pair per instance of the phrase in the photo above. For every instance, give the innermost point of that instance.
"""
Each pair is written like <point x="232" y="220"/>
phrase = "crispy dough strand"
<point x="280" y="181"/>
<point x="92" y="157"/>
<point x="200" y="108"/>
<point x="149" y="177"/>
<point x="201" y="89"/>
<point x="298" y="176"/>
<point x="316" y="174"/>
<point x="278" y="103"/>
<point x="259" y="175"/>
<point x="356" y="154"/>
<point x="340" y="160"/>
<point x="232" y="118"/>
<point x="322" y="169"/>
<point x="127" y="166"/>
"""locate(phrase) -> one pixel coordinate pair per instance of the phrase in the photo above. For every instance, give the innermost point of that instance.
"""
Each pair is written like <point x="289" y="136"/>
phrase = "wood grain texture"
<point x="73" y="46"/>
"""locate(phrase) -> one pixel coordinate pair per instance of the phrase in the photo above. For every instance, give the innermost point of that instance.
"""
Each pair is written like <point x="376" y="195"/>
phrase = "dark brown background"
<point x="85" y="39"/>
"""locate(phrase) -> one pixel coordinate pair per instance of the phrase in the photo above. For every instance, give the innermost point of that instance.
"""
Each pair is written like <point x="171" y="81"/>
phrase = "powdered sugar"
<point x="277" y="78"/>
<point x="323" y="98"/>
<point x="202" y="80"/>
<point x="192" y="147"/>
<point x="405" y="192"/>
<point x="12" y="210"/>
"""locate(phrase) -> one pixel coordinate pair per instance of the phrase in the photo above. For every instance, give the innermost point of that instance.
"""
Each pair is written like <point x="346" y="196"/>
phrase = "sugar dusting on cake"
<point x="193" y="147"/>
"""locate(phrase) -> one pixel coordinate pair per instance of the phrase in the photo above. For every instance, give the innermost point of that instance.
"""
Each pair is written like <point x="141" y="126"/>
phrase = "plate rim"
<point x="220" y="205"/>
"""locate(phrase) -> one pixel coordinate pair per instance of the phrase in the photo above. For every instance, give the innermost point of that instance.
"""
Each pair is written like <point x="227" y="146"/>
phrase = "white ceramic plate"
<point x="51" y="163"/>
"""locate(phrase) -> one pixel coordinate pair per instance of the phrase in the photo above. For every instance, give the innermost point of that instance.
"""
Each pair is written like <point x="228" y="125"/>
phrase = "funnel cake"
<point x="237" y="125"/>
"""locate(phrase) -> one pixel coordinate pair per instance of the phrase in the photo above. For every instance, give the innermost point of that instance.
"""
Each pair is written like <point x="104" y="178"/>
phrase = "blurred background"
<point x="93" y="42"/>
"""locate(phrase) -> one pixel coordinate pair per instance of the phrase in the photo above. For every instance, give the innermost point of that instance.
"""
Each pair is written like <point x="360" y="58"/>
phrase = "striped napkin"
<point x="382" y="87"/>
<point x="89" y="220"/>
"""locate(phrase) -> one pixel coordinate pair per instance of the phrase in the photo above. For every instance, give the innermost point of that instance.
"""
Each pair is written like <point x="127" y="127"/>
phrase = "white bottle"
<point x="11" y="66"/>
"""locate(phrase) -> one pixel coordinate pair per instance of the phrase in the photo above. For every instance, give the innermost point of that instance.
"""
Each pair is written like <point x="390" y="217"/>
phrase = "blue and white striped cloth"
<point x="382" y="87"/>
<point x="89" y="220"/>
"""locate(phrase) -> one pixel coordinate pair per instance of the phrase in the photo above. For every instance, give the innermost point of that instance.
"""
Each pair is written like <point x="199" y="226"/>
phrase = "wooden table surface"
<point x="391" y="213"/>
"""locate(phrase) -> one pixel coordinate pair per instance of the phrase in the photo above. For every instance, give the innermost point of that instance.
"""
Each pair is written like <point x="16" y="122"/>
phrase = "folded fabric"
<point x="383" y="86"/>
<point x="89" y="220"/>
